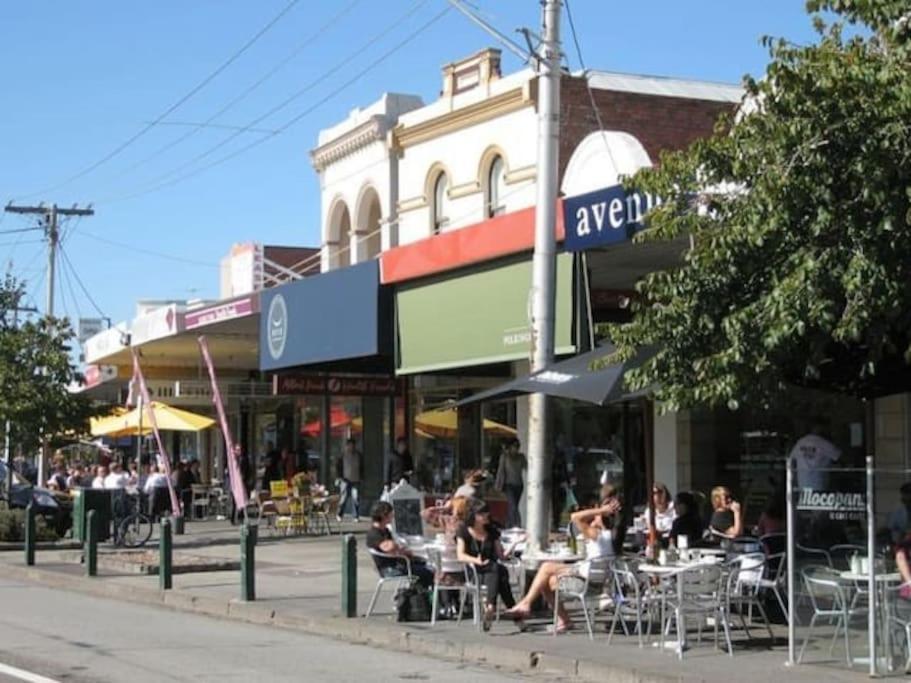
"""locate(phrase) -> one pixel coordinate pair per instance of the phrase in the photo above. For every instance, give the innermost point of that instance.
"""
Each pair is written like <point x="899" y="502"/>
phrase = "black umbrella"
<point x="573" y="378"/>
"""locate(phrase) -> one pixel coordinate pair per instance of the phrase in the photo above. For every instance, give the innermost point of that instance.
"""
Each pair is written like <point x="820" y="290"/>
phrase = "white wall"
<point x="460" y="153"/>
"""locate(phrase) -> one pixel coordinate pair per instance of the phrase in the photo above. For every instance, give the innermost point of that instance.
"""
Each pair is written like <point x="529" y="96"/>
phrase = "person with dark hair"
<point x="349" y="466"/>
<point x="379" y="538"/>
<point x="900" y="518"/>
<point x="601" y="527"/>
<point x="478" y="544"/>
<point x="511" y="480"/>
<point x="664" y="510"/>
<point x="772" y="518"/>
<point x="688" y="521"/>
<point x="400" y="465"/>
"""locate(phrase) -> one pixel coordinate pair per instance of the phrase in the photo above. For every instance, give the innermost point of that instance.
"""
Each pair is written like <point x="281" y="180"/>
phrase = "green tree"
<point x="35" y="375"/>
<point x="798" y="212"/>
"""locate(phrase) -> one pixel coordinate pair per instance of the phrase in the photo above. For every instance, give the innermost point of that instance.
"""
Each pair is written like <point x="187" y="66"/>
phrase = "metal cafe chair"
<point x="775" y="579"/>
<point x="899" y="619"/>
<point x="632" y="601"/>
<point x="828" y="601"/>
<point x="699" y="593"/>
<point x="585" y="581"/>
<point x="398" y="580"/>
<point x="473" y="588"/>
<point x="444" y="567"/>
<point x="742" y="590"/>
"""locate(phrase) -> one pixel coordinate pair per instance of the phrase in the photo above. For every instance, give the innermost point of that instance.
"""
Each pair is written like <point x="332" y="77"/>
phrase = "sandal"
<point x="487" y="617"/>
<point x="561" y="627"/>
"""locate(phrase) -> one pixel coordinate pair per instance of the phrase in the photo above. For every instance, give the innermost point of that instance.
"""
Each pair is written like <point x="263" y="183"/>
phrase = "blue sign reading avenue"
<point x="606" y="216"/>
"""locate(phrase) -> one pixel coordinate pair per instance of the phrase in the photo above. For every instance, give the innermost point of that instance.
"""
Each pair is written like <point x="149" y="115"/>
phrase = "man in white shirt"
<point x="100" y="473"/>
<point x="813" y="454"/>
<point x="117" y="479"/>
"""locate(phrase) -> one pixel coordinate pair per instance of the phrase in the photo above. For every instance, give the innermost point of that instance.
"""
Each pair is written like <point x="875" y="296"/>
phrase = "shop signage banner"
<point x="335" y="386"/>
<point x="157" y="324"/>
<point x="477" y="318"/>
<point x="610" y="215"/>
<point x="98" y="374"/>
<point x="840" y="505"/>
<point x="334" y="316"/>
<point x="104" y="344"/>
<point x="229" y="310"/>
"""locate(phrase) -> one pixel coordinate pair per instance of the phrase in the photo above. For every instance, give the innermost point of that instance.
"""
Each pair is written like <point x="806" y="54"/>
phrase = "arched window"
<point x="496" y="182"/>
<point x="439" y="218"/>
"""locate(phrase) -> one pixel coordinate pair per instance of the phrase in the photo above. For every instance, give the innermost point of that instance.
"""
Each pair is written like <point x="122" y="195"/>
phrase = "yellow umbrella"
<point x="167" y="417"/>
<point x="445" y="423"/>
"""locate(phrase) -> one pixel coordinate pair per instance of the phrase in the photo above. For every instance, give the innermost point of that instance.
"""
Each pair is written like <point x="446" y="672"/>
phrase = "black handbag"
<point x="411" y="603"/>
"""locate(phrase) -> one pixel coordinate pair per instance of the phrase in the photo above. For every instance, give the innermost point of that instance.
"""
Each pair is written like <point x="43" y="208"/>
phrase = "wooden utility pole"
<point x="51" y="231"/>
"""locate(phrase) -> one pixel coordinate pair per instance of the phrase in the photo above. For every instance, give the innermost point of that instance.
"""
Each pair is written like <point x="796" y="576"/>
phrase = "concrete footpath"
<point x="298" y="584"/>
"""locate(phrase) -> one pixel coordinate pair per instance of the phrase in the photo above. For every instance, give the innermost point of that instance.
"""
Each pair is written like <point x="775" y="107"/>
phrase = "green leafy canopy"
<point x="35" y="375"/>
<point x="798" y="210"/>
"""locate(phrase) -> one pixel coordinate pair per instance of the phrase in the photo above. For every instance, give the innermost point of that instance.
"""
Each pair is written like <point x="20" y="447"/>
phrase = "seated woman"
<point x="478" y="543"/>
<point x="472" y="482"/>
<point x="447" y="516"/>
<point x="727" y="516"/>
<point x="599" y="527"/>
<point x="688" y="522"/>
<point x="664" y="510"/>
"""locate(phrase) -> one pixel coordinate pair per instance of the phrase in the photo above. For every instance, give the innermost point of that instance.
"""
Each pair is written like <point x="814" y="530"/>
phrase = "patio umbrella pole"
<point x="789" y="557"/>
<point x="871" y="579"/>
<point x="166" y="459"/>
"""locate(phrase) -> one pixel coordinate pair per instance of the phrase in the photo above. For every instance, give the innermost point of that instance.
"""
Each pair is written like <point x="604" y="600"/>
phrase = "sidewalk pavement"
<point x="298" y="586"/>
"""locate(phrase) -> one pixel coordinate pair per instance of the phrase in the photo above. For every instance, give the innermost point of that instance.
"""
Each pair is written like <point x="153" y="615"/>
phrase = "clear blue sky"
<point x="80" y="78"/>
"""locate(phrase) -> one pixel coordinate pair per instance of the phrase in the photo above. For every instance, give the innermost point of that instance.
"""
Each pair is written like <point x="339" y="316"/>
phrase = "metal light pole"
<point x="543" y="272"/>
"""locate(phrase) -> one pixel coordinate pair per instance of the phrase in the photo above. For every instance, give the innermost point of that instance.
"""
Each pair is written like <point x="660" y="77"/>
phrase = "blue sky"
<point x="81" y="78"/>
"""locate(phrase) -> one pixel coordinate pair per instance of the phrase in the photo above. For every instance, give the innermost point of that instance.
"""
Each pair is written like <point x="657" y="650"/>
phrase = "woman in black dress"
<point x="478" y="543"/>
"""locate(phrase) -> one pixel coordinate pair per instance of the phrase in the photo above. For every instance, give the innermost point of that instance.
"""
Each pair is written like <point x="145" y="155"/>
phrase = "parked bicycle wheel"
<point x="135" y="530"/>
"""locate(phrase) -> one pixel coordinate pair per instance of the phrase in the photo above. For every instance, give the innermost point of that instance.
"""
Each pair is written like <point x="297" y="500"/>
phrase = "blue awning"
<point x="339" y="315"/>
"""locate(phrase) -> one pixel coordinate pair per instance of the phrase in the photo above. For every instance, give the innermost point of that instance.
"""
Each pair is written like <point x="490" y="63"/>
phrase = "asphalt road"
<point x="70" y="637"/>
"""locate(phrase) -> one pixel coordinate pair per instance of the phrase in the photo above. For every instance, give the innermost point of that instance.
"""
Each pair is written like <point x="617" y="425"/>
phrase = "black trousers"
<point x="495" y="580"/>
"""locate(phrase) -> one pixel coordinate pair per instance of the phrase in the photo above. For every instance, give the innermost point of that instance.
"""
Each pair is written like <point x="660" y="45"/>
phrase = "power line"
<point x="67" y="271"/>
<point x="202" y="84"/>
<point x="82" y="286"/>
<point x="18" y="230"/>
<point x="308" y="42"/>
<point x="150" y="252"/>
<point x="281" y="129"/>
<point x="588" y="87"/>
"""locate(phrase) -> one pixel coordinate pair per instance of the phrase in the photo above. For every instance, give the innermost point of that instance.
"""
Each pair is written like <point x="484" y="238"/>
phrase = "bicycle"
<point x="132" y="527"/>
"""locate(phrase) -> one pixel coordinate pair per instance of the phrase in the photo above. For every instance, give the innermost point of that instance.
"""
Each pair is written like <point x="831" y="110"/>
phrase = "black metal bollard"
<point x="165" y="566"/>
<point x="248" y="562"/>
<point x="30" y="535"/>
<point x="349" y="576"/>
<point x="91" y="543"/>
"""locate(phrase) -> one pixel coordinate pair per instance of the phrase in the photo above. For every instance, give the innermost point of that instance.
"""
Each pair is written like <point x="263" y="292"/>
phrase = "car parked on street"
<point x="55" y="509"/>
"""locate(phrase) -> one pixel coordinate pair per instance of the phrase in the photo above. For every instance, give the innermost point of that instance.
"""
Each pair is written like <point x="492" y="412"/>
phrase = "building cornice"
<point x="406" y="136"/>
<point x="372" y="130"/>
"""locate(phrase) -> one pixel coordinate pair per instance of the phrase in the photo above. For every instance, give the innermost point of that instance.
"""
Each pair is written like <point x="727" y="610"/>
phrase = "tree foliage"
<point x="799" y="214"/>
<point x="35" y="375"/>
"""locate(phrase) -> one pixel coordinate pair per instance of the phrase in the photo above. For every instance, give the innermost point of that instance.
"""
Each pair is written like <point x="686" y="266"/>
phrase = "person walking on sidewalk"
<point x="400" y="465"/>
<point x="511" y="480"/>
<point x="350" y="474"/>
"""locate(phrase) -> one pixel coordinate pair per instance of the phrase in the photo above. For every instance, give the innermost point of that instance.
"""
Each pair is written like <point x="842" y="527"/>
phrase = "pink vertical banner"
<point x="147" y="406"/>
<point x="237" y="485"/>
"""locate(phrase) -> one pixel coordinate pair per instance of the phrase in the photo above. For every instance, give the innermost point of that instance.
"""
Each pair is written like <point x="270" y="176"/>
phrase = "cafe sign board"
<point x="839" y="505"/>
<point x="610" y="215"/>
<point x="331" y="385"/>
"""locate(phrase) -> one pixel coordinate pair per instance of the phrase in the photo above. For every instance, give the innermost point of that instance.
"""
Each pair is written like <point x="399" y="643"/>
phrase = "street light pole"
<point x="544" y="273"/>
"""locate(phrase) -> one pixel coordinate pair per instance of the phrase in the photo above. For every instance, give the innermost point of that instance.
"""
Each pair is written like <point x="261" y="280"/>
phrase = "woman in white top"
<point x="596" y="526"/>
<point x="664" y="510"/>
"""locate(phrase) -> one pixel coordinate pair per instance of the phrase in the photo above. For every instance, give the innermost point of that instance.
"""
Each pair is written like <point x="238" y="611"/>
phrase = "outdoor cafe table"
<point x="882" y="582"/>
<point x="672" y="571"/>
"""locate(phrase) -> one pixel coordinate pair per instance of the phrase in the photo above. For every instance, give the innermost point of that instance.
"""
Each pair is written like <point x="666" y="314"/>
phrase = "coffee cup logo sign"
<point x="277" y="332"/>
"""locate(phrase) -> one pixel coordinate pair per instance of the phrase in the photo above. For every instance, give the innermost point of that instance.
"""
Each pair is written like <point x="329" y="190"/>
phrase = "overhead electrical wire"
<point x="588" y="87"/>
<point x="208" y="123"/>
<point x="149" y="252"/>
<point x="170" y="110"/>
<point x="162" y="181"/>
<point x="82" y="286"/>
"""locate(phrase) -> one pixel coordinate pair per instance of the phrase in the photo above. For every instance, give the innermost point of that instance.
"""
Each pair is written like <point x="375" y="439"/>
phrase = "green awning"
<point x="477" y="318"/>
